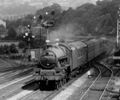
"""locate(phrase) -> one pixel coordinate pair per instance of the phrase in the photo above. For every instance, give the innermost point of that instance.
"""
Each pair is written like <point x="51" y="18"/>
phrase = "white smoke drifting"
<point x="66" y="32"/>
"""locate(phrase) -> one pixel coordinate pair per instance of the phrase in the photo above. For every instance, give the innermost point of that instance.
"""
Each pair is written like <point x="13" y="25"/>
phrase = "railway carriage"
<point x="79" y="54"/>
<point x="101" y="47"/>
<point x="96" y="47"/>
<point x="90" y="50"/>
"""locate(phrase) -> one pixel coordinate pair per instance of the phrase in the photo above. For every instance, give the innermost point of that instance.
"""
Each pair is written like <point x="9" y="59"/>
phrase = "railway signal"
<point x="116" y="56"/>
<point x="44" y="21"/>
<point x="28" y="37"/>
<point x="47" y="23"/>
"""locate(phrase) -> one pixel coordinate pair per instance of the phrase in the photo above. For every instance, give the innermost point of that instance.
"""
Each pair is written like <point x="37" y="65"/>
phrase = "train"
<point x="60" y="59"/>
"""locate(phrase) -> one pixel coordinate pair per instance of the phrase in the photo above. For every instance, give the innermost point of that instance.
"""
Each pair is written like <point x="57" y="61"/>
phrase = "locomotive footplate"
<point x="49" y="75"/>
<point x="51" y="78"/>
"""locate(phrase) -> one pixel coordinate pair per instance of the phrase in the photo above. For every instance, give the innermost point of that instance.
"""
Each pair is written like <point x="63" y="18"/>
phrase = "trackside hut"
<point x="35" y="54"/>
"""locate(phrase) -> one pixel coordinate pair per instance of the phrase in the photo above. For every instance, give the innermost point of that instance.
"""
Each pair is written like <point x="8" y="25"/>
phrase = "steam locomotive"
<point x="60" y="59"/>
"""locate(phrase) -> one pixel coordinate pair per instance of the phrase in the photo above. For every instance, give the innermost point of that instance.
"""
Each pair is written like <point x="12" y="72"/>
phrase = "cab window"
<point x="63" y="61"/>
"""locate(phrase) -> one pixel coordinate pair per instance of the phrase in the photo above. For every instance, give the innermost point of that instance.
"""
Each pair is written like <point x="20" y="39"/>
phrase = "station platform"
<point x="71" y="90"/>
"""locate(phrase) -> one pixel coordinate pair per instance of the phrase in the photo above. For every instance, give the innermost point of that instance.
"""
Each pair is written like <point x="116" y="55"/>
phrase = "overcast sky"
<point x="19" y="7"/>
<point x="42" y="3"/>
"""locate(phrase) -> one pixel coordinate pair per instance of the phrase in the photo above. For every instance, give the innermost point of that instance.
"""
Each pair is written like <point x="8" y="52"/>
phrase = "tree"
<point x="11" y="34"/>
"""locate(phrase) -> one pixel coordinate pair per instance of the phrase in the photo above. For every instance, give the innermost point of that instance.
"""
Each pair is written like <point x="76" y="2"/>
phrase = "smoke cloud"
<point x="66" y="32"/>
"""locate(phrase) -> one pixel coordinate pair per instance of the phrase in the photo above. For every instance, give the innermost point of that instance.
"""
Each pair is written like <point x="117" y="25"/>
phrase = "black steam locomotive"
<point x="60" y="59"/>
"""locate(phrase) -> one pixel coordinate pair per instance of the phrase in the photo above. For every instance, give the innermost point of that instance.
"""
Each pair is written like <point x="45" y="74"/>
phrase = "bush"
<point x="13" y="48"/>
<point x="22" y="44"/>
<point x="16" y="56"/>
<point x="8" y="49"/>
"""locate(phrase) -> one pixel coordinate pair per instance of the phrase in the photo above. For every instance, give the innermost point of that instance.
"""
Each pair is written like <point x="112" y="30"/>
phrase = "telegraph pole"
<point x="116" y="56"/>
<point x="118" y="29"/>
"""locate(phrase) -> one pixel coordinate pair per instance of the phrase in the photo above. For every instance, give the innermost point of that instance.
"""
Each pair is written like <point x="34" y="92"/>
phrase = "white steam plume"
<point x="66" y="32"/>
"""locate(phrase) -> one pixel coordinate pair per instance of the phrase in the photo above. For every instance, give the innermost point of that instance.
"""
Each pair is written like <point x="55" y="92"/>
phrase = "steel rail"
<point x="52" y="94"/>
<point x="107" y="82"/>
<point x="91" y="84"/>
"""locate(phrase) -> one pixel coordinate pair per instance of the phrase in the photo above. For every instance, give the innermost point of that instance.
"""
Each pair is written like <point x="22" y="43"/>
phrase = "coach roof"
<point x="77" y="44"/>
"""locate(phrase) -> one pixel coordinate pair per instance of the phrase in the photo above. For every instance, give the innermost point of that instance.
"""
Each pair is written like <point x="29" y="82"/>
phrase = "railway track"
<point x="10" y="88"/>
<point x="97" y="89"/>
<point x="9" y="72"/>
<point x="33" y="92"/>
<point x="6" y="65"/>
<point x="49" y="94"/>
<point x="6" y="78"/>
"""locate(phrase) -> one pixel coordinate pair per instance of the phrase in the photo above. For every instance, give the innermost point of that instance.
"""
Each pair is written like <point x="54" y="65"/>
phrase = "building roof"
<point x="2" y="23"/>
